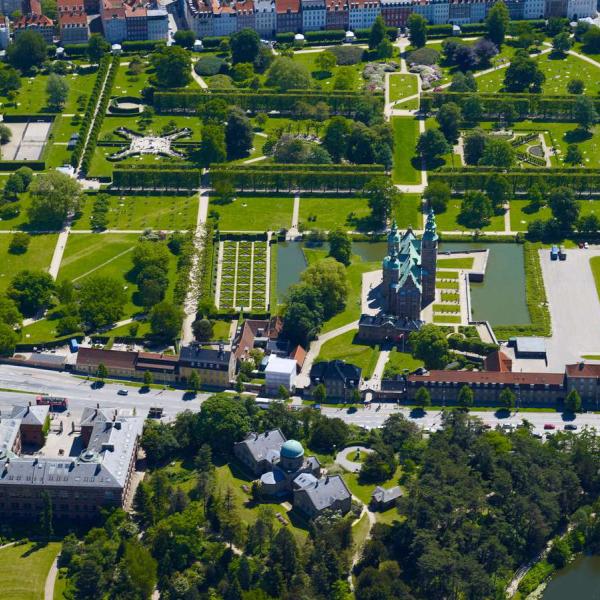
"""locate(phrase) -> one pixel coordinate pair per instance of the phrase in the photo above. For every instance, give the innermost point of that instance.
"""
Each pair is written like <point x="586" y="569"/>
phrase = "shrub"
<point x="220" y="81"/>
<point x="10" y="211"/>
<point x="347" y="55"/>
<point x="423" y="56"/>
<point x="209" y="65"/>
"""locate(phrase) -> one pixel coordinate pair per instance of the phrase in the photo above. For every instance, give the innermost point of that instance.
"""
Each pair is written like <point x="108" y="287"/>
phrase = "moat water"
<point x="500" y="299"/>
<point x="580" y="580"/>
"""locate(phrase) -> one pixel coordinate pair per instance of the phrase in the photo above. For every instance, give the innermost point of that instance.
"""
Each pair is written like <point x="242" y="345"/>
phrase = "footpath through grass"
<point x="25" y="568"/>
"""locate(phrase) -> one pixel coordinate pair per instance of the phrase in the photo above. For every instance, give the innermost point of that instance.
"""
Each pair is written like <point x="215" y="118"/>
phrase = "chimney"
<point x="581" y="365"/>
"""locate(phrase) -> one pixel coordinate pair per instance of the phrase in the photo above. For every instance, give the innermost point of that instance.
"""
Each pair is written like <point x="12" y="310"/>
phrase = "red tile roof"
<point x="72" y="19"/>
<point x="283" y="6"/>
<point x="35" y="21"/>
<point x="472" y="377"/>
<point x="70" y="5"/>
<point x="299" y="355"/>
<point x="583" y="370"/>
<point x="498" y="361"/>
<point x="110" y="358"/>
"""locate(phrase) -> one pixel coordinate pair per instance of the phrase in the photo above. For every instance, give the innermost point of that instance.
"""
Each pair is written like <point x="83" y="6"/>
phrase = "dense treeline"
<point x="482" y="504"/>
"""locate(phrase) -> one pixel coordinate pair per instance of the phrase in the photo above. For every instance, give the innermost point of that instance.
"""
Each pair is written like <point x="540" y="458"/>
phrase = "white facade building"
<point x="280" y="372"/>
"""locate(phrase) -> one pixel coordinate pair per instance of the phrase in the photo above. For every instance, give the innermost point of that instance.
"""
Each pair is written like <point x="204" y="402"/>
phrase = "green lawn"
<point x="21" y="220"/>
<point x="403" y="85"/>
<point x="37" y="257"/>
<point x="455" y="263"/>
<point x="106" y="255"/>
<point x="127" y="84"/>
<point x="141" y="212"/>
<point x="406" y="132"/>
<point x="447" y="221"/>
<point x="343" y="347"/>
<point x="255" y="213"/>
<point x="25" y="570"/>
<point x="61" y="585"/>
<point x="408" y="211"/>
<point x="364" y="491"/>
<point x="521" y="214"/>
<point x="42" y="331"/>
<point x="398" y="361"/>
<point x="445" y="318"/>
<point x="329" y="213"/>
<point x="325" y="79"/>
<point x="595" y="266"/>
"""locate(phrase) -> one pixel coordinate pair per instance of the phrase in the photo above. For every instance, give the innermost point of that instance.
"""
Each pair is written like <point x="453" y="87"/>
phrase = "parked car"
<point x="549" y="426"/>
<point x="570" y="427"/>
<point x="123" y="392"/>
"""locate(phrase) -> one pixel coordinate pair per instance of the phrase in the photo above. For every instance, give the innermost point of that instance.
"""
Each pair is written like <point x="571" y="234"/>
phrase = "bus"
<point x="54" y="402"/>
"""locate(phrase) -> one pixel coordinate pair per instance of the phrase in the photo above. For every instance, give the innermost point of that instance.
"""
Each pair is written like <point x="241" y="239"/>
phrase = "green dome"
<point x="292" y="449"/>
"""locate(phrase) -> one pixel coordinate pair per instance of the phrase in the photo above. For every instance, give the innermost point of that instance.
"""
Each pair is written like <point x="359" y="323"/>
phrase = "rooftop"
<point x="280" y="366"/>
<point x="324" y="492"/>
<point x="484" y="377"/>
<point x="583" y="369"/>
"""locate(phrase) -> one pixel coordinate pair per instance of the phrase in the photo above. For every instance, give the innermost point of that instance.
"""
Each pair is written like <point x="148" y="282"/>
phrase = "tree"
<point x="5" y="134"/>
<point x="212" y="146"/>
<point x="437" y="194"/>
<point x="319" y="394"/>
<point x="148" y="379"/>
<point x="523" y="74"/>
<point x="19" y="243"/>
<point x="203" y="330"/>
<point x="345" y="79"/>
<point x="560" y="553"/>
<point x="172" y="66"/>
<point x="57" y="91"/>
<point x="423" y="397"/>
<point x="498" y="189"/>
<point x="303" y="313"/>
<point x="283" y="393"/>
<point x="97" y="47"/>
<point x="591" y="40"/>
<point x="432" y="144"/>
<point x="476" y="210"/>
<point x="564" y="207"/>
<point x="328" y="434"/>
<point x="326" y="61"/>
<point x="573" y="402"/>
<point x="194" y="381"/>
<point x="102" y="372"/>
<point x="449" y="117"/>
<point x="335" y="137"/>
<point x="463" y="82"/>
<point x="185" y="38"/>
<point x="430" y="345"/>
<point x="497" y="23"/>
<point x="497" y="153"/>
<point x="53" y="196"/>
<point x="9" y="312"/>
<point x="138" y="570"/>
<point x="328" y="277"/>
<point x="561" y="43"/>
<point x="507" y="398"/>
<point x="288" y="74"/>
<point x="28" y="50"/>
<point x="575" y="86"/>
<point x="378" y="32"/>
<point x="573" y="155"/>
<point x="589" y="223"/>
<point x="485" y="50"/>
<point x="8" y="340"/>
<point x="584" y="112"/>
<point x="385" y="49"/>
<point x="474" y="145"/>
<point x="165" y="321"/>
<point x="245" y="45"/>
<point x="101" y="300"/>
<point x="10" y="81"/>
<point x="382" y="196"/>
<point x="238" y="135"/>
<point x="223" y="420"/>
<point x="31" y="291"/>
<point x="465" y="397"/>
<point x="340" y="246"/>
<point x="417" y="30"/>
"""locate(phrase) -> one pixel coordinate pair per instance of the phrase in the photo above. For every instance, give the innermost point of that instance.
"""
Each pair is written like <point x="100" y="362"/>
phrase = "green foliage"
<point x="430" y="345"/>
<point x="28" y="50"/>
<point x="166" y="320"/>
<point x="523" y="74"/>
<point x="417" y="30"/>
<point x="53" y="196"/>
<point x="497" y="22"/>
<point x="245" y="46"/>
<point x="340" y="246"/>
<point x="382" y="197"/>
<point x="172" y="65"/>
<point x="377" y="33"/>
<point x="209" y="65"/>
<point x="287" y="74"/>
<point x="476" y="210"/>
<point x="437" y="195"/>
<point x="97" y="48"/>
<point x="101" y="301"/>
<point x="19" y="243"/>
<point x="184" y="38"/>
<point x="31" y="291"/>
<point x="573" y="402"/>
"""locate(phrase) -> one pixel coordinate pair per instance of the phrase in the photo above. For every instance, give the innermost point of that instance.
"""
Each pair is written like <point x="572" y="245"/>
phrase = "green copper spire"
<point x="430" y="233"/>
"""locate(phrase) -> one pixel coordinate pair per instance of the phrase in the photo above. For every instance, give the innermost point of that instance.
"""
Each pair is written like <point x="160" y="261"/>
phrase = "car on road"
<point x="549" y="426"/>
<point x="123" y="392"/>
<point x="537" y="435"/>
<point x="570" y="427"/>
<point x="487" y="426"/>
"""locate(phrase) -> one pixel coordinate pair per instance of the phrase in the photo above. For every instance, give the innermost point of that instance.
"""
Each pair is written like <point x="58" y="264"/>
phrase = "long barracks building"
<point x="269" y="17"/>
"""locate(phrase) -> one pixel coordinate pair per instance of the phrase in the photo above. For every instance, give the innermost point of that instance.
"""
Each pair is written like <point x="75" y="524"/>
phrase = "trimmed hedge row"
<point x="526" y="106"/>
<point x="102" y="108"/>
<point x="582" y="182"/>
<point x="332" y="36"/>
<point x="289" y="179"/>
<point x="343" y="103"/>
<point x="473" y="345"/>
<point x="156" y="179"/>
<point x="86" y="122"/>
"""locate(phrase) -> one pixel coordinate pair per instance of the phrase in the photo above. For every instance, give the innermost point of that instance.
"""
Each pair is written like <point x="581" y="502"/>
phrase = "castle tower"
<point x="429" y="248"/>
<point x="391" y="275"/>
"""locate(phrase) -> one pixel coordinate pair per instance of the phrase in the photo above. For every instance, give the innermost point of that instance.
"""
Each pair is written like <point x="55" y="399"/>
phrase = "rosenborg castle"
<point x="269" y="17"/>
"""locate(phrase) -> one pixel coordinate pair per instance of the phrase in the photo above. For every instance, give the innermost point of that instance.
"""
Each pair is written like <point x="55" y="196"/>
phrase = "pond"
<point x="500" y="299"/>
<point x="580" y="580"/>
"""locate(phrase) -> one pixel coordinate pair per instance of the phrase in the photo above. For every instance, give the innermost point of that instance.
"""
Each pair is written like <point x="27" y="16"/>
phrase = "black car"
<point x="570" y="427"/>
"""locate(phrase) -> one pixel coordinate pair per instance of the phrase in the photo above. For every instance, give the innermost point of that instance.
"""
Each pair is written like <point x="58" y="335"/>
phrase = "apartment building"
<point x="314" y="15"/>
<point x="35" y="22"/>
<point x="133" y="21"/>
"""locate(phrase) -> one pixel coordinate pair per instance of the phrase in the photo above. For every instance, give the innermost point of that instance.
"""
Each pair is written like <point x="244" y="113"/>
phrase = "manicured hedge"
<point x="156" y="179"/>
<point x="142" y="45"/>
<point x="343" y="103"/>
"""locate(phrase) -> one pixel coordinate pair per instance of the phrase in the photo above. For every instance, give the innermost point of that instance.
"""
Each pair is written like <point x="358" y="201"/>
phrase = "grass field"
<point x="255" y="213"/>
<point x="406" y="132"/>
<point x="398" y="361"/>
<point x="455" y="263"/>
<point x="408" y="211"/>
<point x="325" y="79"/>
<point x="595" y="266"/>
<point x="21" y="220"/>
<point x="330" y="213"/>
<point x="37" y="257"/>
<point x="141" y="212"/>
<point x="364" y="491"/>
<point x="403" y="85"/>
<point x="127" y="84"/>
<point x="447" y="221"/>
<point x="343" y="347"/>
<point x="25" y="570"/>
<point x="521" y="214"/>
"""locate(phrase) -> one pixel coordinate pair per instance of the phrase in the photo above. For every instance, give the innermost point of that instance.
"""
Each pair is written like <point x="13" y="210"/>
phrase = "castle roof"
<point x="430" y="233"/>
